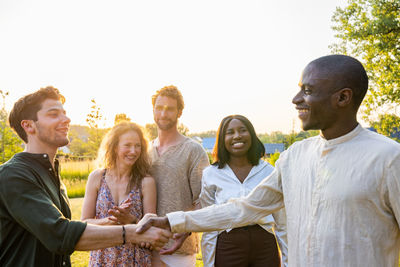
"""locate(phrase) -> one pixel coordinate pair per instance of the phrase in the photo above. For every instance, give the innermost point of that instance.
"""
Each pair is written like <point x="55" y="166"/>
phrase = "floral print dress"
<point x="123" y="255"/>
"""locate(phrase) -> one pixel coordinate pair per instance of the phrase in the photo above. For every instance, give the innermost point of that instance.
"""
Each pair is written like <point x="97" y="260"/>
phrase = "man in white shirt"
<point x="341" y="190"/>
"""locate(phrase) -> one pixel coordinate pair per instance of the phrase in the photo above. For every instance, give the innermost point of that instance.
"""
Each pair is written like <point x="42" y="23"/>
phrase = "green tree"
<point x="183" y="129"/>
<point x="10" y="143"/>
<point x="273" y="158"/>
<point x="77" y="146"/>
<point x="370" y="31"/>
<point x="151" y="131"/>
<point x="121" y="117"/>
<point x="389" y="125"/>
<point x="94" y="119"/>
<point x="306" y="134"/>
<point x="211" y="133"/>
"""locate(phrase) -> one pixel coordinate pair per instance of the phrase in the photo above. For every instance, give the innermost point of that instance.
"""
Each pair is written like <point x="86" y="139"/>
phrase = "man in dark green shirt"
<point x="35" y="218"/>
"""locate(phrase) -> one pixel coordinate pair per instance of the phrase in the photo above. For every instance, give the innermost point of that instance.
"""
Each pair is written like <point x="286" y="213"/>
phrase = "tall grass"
<point x="72" y="170"/>
<point x="75" y="188"/>
<point x="74" y="175"/>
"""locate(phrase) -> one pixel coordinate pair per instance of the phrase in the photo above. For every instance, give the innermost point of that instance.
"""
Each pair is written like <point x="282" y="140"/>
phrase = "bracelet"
<point x="123" y="235"/>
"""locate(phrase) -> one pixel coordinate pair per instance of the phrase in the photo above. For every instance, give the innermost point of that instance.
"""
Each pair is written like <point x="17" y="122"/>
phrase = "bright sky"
<point x="226" y="56"/>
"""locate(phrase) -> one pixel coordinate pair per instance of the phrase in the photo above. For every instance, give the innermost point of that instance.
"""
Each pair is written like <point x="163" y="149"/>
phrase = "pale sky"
<point x="226" y="56"/>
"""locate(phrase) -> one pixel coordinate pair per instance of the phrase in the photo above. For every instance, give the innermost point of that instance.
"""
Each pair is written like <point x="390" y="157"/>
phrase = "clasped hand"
<point x="153" y="238"/>
<point x="122" y="214"/>
<point x="150" y="220"/>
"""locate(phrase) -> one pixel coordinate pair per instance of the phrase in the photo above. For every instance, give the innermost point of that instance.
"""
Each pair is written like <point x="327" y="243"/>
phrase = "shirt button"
<point x="50" y="169"/>
<point x="44" y="156"/>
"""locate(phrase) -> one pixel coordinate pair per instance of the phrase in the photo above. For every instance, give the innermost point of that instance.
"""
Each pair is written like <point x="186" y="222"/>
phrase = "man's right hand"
<point x="150" y="220"/>
<point x="154" y="236"/>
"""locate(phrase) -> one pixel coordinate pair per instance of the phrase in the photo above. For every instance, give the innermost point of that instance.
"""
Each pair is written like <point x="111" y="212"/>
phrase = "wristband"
<point x="123" y="235"/>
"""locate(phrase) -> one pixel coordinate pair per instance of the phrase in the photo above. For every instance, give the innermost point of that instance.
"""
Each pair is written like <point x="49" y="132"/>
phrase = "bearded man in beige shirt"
<point x="177" y="166"/>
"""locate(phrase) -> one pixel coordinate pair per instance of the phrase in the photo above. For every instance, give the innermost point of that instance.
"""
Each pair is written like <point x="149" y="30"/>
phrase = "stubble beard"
<point x="167" y="126"/>
<point x="44" y="137"/>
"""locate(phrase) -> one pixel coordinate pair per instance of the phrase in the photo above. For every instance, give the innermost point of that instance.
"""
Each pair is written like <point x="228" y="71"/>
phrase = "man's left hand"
<point x="179" y="239"/>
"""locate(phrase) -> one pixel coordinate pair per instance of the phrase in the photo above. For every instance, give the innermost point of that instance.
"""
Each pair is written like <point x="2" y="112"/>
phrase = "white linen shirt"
<point x="342" y="199"/>
<point x="220" y="185"/>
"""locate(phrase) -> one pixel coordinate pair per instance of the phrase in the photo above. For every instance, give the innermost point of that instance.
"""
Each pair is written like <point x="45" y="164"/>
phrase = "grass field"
<point x="74" y="175"/>
<point x="81" y="258"/>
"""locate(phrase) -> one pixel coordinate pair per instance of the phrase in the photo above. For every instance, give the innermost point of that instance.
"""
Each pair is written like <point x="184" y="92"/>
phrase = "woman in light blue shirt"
<point x="236" y="170"/>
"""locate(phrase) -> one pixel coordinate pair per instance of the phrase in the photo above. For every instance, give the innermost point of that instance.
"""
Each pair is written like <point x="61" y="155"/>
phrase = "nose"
<point x="297" y="99"/>
<point x="66" y="119"/>
<point x="237" y="135"/>
<point x="134" y="150"/>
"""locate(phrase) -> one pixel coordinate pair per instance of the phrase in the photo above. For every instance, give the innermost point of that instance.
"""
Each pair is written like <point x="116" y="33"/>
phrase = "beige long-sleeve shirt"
<point x="178" y="172"/>
<point x="342" y="200"/>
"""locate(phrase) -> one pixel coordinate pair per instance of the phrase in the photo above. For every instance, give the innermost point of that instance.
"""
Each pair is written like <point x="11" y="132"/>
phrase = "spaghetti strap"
<point x="123" y="255"/>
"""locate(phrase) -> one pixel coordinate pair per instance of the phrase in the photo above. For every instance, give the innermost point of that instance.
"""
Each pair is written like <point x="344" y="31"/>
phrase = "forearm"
<point x="236" y="213"/>
<point x="103" y="221"/>
<point x="264" y="199"/>
<point x="99" y="237"/>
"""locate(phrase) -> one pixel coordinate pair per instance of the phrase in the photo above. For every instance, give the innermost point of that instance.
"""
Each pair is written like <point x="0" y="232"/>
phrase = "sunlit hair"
<point x="107" y="155"/>
<point x="221" y="156"/>
<point x="172" y="92"/>
<point x="27" y="107"/>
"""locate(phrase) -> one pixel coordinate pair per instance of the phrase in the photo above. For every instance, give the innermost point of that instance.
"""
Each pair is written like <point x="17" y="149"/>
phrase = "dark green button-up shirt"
<point x="35" y="225"/>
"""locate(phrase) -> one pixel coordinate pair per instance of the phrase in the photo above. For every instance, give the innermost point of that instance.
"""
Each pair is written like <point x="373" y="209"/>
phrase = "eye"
<point x="307" y="91"/>
<point x="229" y="131"/>
<point x="53" y="114"/>
<point x="243" y="130"/>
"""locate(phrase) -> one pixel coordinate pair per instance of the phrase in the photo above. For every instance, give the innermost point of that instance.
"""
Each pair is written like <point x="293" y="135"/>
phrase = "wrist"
<point x="166" y="222"/>
<point x="130" y="231"/>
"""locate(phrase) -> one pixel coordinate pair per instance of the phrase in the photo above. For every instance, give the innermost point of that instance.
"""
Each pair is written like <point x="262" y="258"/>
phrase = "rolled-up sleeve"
<point x="28" y="203"/>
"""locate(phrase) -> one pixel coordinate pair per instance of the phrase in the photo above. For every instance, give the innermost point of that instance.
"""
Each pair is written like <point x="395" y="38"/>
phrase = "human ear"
<point x="344" y="97"/>
<point x="28" y="126"/>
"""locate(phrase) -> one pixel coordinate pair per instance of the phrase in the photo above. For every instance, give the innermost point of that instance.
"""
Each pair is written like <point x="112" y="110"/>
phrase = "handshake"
<point x="154" y="232"/>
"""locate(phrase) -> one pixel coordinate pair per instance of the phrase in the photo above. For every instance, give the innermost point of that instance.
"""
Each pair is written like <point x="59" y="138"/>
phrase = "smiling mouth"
<point x="131" y="159"/>
<point x="303" y="111"/>
<point x="63" y="130"/>
<point x="238" y="145"/>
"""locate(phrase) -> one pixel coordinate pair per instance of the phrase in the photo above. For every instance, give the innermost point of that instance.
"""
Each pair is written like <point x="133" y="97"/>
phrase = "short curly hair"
<point x="26" y="108"/>
<point x="172" y="92"/>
